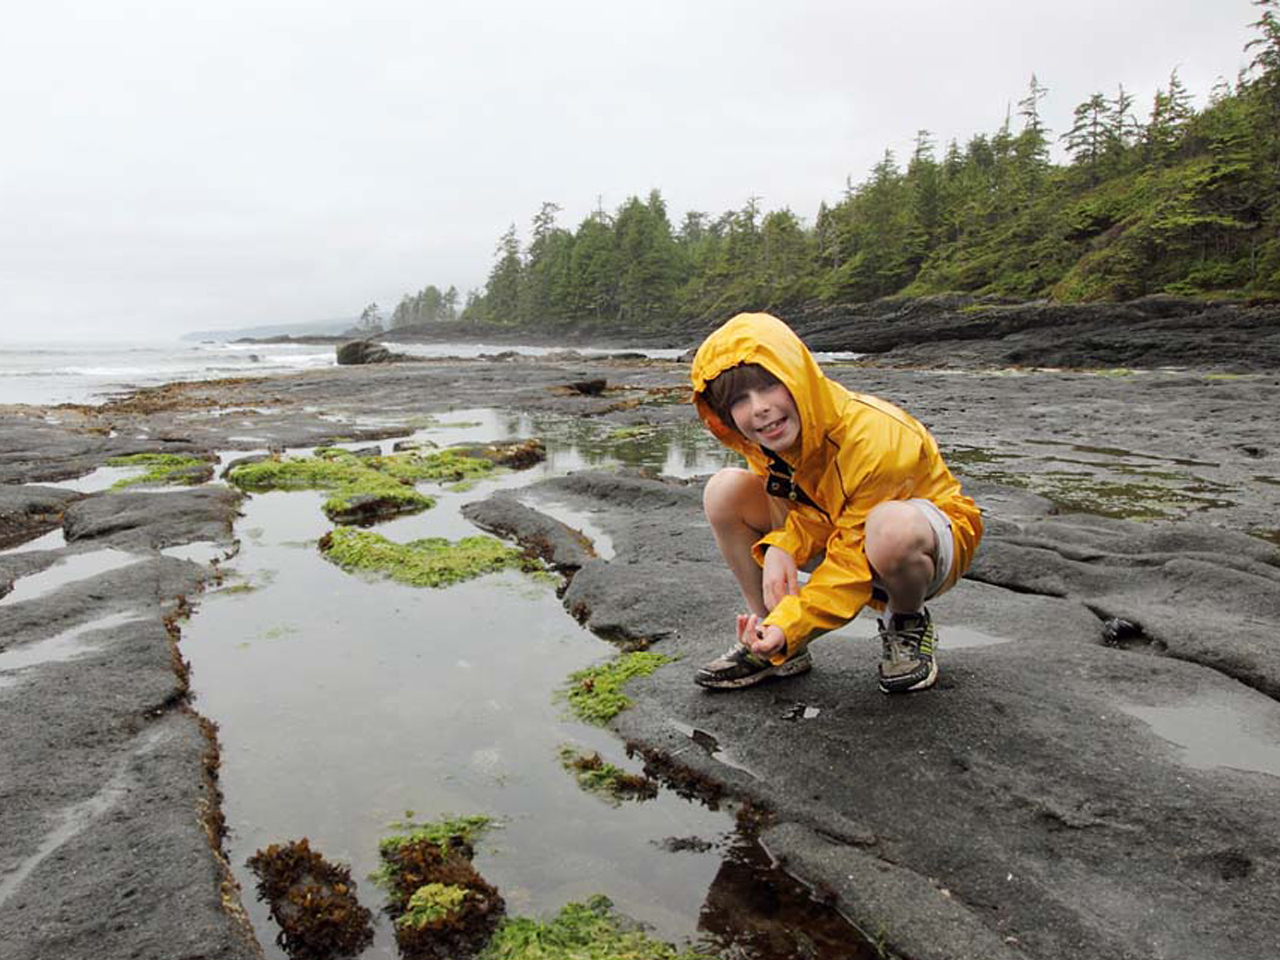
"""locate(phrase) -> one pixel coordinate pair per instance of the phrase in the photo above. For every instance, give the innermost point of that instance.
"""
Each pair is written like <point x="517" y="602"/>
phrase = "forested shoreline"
<point x="1184" y="202"/>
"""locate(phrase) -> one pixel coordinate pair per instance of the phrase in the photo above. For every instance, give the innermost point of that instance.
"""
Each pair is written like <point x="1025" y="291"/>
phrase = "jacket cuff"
<point x="781" y="539"/>
<point x="785" y="616"/>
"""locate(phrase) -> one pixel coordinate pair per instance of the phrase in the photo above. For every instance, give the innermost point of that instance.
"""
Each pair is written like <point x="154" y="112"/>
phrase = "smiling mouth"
<point x="773" y="426"/>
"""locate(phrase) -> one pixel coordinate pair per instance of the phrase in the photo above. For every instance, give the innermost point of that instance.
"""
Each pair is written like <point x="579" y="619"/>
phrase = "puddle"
<point x="1239" y="732"/>
<point x="53" y="540"/>
<point x="57" y="649"/>
<point x="346" y="704"/>
<point x="951" y="636"/>
<point x="75" y="567"/>
<point x="1120" y="453"/>
<point x="579" y="520"/>
<point x="104" y="478"/>
<point x="203" y="552"/>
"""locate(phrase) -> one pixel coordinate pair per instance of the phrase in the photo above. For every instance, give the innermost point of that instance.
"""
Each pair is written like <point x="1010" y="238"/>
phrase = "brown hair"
<point x="721" y="392"/>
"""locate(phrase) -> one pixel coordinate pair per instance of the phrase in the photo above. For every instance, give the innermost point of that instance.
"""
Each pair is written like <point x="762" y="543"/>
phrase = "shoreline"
<point x="1041" y="775"/>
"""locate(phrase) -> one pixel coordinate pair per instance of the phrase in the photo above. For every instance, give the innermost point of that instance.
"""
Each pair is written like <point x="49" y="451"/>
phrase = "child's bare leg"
<point x="902" y="550"/>
<point x="737" y="508"/>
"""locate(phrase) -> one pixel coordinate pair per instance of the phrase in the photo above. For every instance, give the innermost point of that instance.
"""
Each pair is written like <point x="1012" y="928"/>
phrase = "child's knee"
<point x="728" y="492"/>
<point x="896" y="531"/>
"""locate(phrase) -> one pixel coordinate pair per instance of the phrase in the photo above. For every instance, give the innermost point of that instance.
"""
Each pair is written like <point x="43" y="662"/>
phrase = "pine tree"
<point x="1088" y="137"/>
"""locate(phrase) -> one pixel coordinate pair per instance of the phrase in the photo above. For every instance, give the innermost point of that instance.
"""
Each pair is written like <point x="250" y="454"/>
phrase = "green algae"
<point x="440" y="905"/>
<point x="162" y="468"/>
<point x="600" y="778"/>
<point x="432" y="903"/>
<point x="364" y="487"/>
<point x="429" y="562"/>
<point x="580" y="931"/>
<point x="439" y="832"/>
<point x="595" y="694"/>
<point x="630" y="433"/>
<point x="353" y="480"/>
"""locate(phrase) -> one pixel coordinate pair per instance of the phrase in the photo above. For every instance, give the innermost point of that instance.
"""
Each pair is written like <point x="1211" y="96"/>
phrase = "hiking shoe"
<point x="739" y="667"/>
<point x="907" y="662"/>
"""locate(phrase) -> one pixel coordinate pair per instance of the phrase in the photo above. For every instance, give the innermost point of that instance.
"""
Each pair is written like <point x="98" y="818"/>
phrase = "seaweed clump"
<point x="441" y="907"/>
<point x="313" y="901"/>
<point x="597" y="776"/>
<point x="595" y="694"/>
<point x="162" y="468"/>
<point x="581" y="931"/>
<point x="429" y="562"/>
<point x="364" y="488"/>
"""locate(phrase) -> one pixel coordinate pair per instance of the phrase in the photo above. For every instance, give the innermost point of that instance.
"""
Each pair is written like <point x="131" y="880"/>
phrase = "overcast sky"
<point x="185" y="164"/>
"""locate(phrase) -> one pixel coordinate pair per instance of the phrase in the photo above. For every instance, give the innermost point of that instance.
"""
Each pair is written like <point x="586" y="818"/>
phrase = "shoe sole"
<point x="923" y="684"/>
<point x="791" y="668"/>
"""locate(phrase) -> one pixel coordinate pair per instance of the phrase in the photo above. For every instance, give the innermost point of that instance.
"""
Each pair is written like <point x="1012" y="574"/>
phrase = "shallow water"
<point x="346" y="703"/>
<point x="1239" y="731"/>
<point x="68" y="570"/>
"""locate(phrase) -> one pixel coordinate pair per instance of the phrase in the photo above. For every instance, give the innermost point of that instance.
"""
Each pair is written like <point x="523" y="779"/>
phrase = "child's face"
<point x="767" y="416"/>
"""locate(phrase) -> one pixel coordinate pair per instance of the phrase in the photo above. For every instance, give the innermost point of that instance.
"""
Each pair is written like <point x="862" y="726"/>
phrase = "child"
<point x="842" y="484"/>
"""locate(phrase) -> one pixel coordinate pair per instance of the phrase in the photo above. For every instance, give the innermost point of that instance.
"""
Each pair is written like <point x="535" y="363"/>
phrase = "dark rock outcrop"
<point x="963" y="331"/>
<point x="367" y="351"/>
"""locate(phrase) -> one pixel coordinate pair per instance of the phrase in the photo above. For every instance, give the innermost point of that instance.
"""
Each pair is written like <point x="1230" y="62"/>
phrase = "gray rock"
<point x="28" y="511"/>
<point x="149" y="521"/>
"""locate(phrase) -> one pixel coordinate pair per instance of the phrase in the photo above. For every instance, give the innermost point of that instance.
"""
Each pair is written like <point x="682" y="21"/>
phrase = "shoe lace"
<point x="902" y="643"/>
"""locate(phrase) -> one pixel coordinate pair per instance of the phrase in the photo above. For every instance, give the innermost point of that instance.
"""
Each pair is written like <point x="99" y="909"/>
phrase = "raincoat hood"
<point x="765" y="340"/>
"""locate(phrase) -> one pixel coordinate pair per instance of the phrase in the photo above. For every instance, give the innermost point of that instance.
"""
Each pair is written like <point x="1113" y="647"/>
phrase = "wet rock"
<point x="150" y="521"/>
<point x="514" y="454"/>
<point x="587" y="388"/>
<point x="956" y="330"/>
<point x="28" y="511"/>
<point x="244" y="461"/>
<point x="109" y="797"/>
<point x="367" y="351"/>
<point x="558" y="544"/>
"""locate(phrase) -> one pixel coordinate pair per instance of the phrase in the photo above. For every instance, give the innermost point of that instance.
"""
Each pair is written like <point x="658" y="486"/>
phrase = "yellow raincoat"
<point x="856" y="451"/>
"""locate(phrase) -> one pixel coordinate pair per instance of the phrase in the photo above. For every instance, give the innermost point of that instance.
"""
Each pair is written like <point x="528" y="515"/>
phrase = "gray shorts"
<point x="944" y="552"/>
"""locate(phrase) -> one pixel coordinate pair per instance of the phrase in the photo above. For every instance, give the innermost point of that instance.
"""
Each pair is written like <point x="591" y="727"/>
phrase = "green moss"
<point x="432" y="903"/>
<point x="629" y="433"/>
<point x="595" y="694"/>
<point x="581" y="931"/>
<point x="352" y="479"/>
<point x="597" y="776"/>
<point x="161" y="468"/>
<point x="364" y="487"/>
<point x="429" y="562"/>
<point x="439" y="832"/>
<point x="441" y="466"/>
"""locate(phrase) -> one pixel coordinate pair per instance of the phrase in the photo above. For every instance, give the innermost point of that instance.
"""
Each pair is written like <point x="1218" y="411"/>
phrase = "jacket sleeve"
<point x="837" y="589"/>
<point x="841" y="585"/>
<point x="801" y="536"/>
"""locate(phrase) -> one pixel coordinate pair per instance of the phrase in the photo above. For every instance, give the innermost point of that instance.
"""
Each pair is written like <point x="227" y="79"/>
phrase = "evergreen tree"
<point x="1088" y="138"/>
<point x="370" y="322"/>
<point x="502" y="292"/>
<point x="593" y="271"/>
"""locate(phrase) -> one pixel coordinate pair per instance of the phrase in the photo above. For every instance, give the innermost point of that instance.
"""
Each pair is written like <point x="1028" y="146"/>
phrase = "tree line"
<point x="1176" y="200"/>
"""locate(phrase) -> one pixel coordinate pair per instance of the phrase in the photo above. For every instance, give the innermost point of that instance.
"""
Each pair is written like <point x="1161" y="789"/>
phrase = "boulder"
<point x="367" y="351"/>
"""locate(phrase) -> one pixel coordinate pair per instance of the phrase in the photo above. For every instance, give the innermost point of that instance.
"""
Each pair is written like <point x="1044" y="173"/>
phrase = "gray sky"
<point x="184" y="164"/>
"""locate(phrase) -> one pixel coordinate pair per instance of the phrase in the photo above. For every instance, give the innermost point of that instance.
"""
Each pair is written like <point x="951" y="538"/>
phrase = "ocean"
<point x="94" y="372"/>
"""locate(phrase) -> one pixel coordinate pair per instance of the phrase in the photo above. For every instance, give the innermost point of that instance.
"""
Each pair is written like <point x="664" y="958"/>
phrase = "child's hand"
<point x="781" y="576"/>
<point x="767" y="640"/>
<point x="763" y="641"/>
